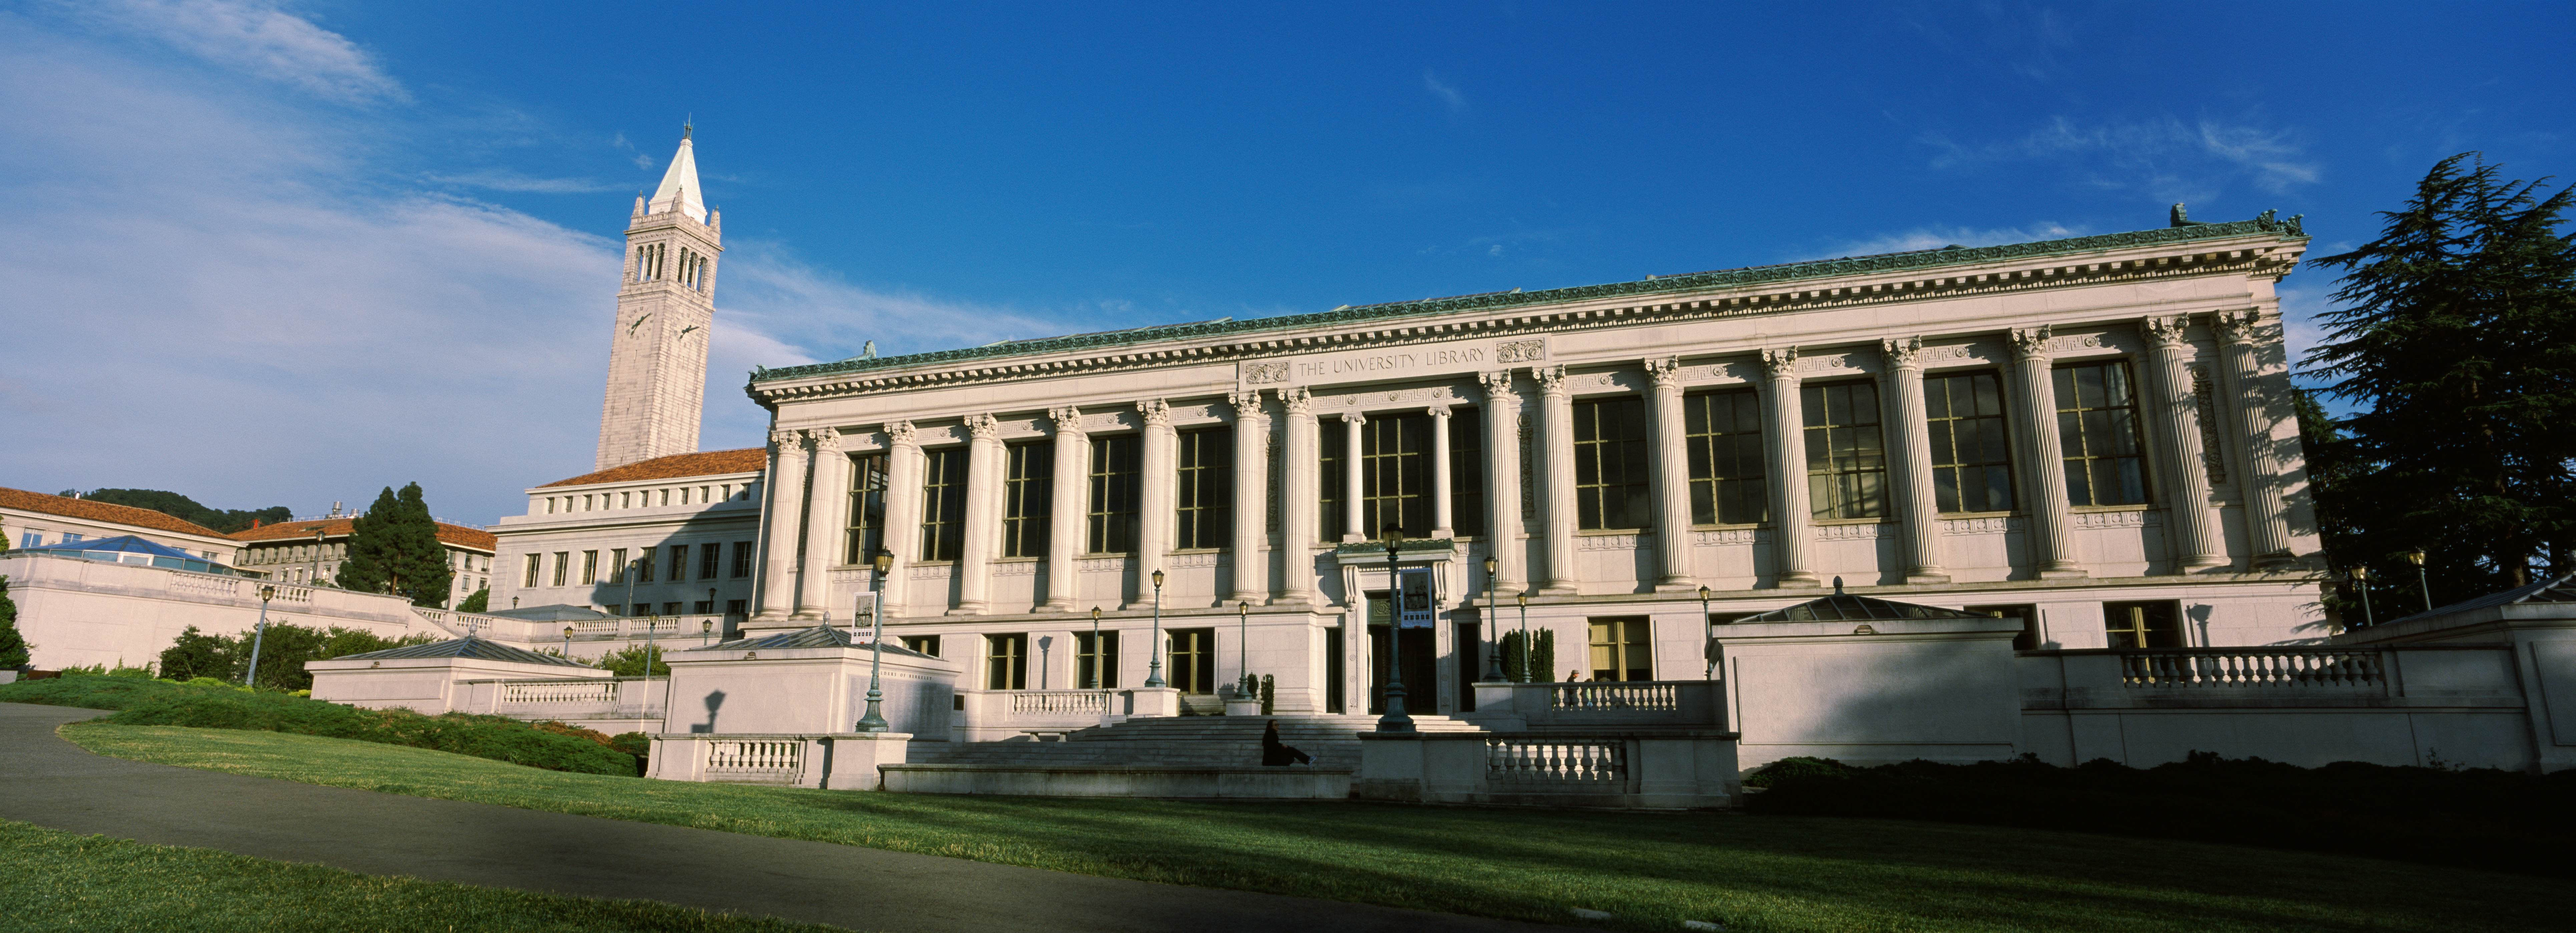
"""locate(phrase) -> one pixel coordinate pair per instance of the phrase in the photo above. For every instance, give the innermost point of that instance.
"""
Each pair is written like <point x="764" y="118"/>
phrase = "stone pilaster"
<point x="1251" y="479"/>
<point x="2193" y="532"/>
<point x="1785" y="427"/>
<point x="2267" y="526"/>
<point x="2052" y="552"/>
<point x="1671" y="477"/>
<point x="1556" y="435"/>
<point x="983" y="516"/>
<point x="902" y="511"/>
<point x="1354" y="526"/>
<point x="1298" y="495"/>
<point x="1503" y="482"/>
<point x="786" y="517"/>
<point x="1067" y="509"/>
<point x="825" y="516"/>
<point x="1443" y="523"/>
<point x="1155" y="502"/>
<point x="1916" y="507"/>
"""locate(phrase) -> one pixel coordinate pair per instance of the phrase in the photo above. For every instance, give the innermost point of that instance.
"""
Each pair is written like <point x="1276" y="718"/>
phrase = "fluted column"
<point x="825" y="500"/>
<point x="902" y="510"/>
<point x="1503" y="482"/>
<point x="786" y="507"/>
<point x="983" y="516"/>
<point x="2267" y="526"/>
<point x="1297" y="499"/>
<point x="1353" y="527"/>
<point x="1443" y="521"/>
<point x="1251" y="478"/>
<point x="1556" y="443"/>
<point x="1671" y="474"/>
<point x="1154" y="499"/>
<point x="2052" y="553"/>
<point x="1786" y="428"/>
<point x="1066" y="507"/>
<point x="1916" y="507"/>
<point x="2193" y="531"/>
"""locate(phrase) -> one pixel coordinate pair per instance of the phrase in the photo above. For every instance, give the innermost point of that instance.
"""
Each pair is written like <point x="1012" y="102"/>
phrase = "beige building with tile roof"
<point x="309" y="551"/>
<point x="29" y="519"/>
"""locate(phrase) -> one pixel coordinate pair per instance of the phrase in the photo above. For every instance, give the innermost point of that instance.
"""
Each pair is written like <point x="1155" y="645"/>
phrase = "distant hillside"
<point x="179" y="506"/>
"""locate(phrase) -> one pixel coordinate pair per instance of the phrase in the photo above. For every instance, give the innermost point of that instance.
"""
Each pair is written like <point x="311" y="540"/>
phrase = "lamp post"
<point x="706" y="632"/>
<point x="265" y="594"/>
<point x="633" y="570"/>
<point x="1246" y="687"/>
<point x="1097" y="656"/>
<point x="1493" y="631"/>
<point x="1154" y="644"/>
<point x="1527" y="648"/>
<point x="1395" y="720"/>
<point x="1708" y="651"/>
<point x="317" y="554"/>
<point x="2361" y="581"/>
<point x="2416" y="557"/>
<point x="875" y="721"/>
<point x="567" y="643"/>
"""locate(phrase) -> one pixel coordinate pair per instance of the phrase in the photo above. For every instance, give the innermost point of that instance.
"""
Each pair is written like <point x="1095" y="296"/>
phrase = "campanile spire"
<point x="657" y="357"/>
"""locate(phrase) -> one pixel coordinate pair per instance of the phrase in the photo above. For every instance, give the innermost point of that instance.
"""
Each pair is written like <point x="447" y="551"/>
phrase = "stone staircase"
<point x="1180" y="740"/>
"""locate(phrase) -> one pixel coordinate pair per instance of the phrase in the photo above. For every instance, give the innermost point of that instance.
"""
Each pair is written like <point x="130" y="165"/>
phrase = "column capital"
<point x="1551" y="379"/>
<point x="2031" y="343"/>
<point x="901" y="434"/>
<point x="1781" y="363"/>
<point x="1247" y="403"/>
<point x="982" y="427"/>
<point x="1068" y="419"/>
<point x="2165" y="331"/>
<point x="1666" y="372"/>
<point x="826" y="440"/>
<point x="1902" y="352"/>
<point x="1436" y="411"/>
<point x="2236" y="326"/>
<point x="1354" y="417"/>
<point x="783" y="441"/>
<point x="1158" y="413"/>
<point x="1498" y="384"/>
<point x="1297" y="401"/>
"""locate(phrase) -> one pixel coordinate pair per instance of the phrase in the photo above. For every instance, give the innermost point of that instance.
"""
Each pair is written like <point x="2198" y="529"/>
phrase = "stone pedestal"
<point x="1243" y="707"/>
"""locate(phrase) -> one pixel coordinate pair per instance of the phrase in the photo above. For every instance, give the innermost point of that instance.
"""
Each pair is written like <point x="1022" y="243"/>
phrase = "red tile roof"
<point x="459" y="535"/>
<point x="676" y="466"/>
<point x="101" y="512"/>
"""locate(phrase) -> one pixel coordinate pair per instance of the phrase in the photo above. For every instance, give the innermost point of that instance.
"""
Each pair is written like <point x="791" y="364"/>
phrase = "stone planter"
<point x="1243" y="707"/>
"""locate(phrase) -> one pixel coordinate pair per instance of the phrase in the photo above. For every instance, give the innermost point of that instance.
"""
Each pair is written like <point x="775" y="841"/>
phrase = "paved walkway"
<point x="51" y="782"/>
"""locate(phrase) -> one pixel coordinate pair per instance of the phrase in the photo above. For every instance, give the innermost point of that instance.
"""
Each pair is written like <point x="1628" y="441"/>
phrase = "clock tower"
<point x="657" y="357"/>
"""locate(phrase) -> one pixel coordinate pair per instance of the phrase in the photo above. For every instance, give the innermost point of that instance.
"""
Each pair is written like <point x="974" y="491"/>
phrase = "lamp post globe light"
<point x="1154" y="645"/>
<point x="567" y="643"/>
<point x="706" y="632"/>
<point x="266" y="593"/>
<point x="1097" y="656"/>
<point x="1395" y="720"/>
<point x="1526" y="648"/>
<point x="2361" y="581"/>
<point x="874" y="720"/>
<point x="2416" y="557"/>
<point x="1493" y="630"/>
<point x="1246" y="687"/>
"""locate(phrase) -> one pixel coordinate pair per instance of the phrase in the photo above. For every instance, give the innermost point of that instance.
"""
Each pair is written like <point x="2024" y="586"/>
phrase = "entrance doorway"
<point x="1421" y="670"/>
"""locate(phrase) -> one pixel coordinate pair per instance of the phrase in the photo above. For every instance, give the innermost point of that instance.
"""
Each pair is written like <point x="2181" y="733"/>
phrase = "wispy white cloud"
<point x="253" y="37"/>
<point x="507" y="180"/>
<point x="787" y="311"/>
<point x="1447" y="93"/>
<point x="1935" y="237"/>
<point x="2168" y="158"/>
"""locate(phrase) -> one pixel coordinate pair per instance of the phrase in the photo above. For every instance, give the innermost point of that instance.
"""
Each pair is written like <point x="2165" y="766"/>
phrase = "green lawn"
<point x="52" y="880"/>
<point x="1652" y="871"/>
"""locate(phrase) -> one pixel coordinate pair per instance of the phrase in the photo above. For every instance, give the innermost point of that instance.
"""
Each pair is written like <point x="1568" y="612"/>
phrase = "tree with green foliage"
<point x="182" y="507"/>
<point x="13" y="646"/>
<point x="394" y="548"/>
<point x="632" y="661"/>
<point x="2457" y="339"/>
<point x="480" y="601"/>
<point x="282" y="654"/>
<point x="196" y="654"/>
<point x="1541" y="661"/>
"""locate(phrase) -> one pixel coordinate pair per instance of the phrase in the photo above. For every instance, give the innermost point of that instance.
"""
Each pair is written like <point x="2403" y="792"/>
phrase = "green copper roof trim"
<point x="1697" y="281"/>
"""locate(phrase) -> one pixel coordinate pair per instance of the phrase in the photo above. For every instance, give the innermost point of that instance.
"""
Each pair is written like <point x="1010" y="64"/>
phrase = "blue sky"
<point x="290" y="253"/>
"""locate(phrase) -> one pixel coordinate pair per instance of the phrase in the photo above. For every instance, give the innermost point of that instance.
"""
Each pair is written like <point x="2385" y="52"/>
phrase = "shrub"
<point x="282" y="652"/>
<point x="13" y="646"/>
<point x="630" y="661"/>
<point x="637" y="744"/>
<point x="2484" y="818"/>
<point x="86" y="692"/>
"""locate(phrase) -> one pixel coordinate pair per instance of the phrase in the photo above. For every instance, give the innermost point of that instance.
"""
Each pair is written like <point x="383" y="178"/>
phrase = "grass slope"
<point x="1651" y="871"/>
<point x="53" y="880"/>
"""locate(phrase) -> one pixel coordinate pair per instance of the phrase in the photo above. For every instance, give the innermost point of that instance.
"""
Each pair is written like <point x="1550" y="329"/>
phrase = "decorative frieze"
<point x="1864" y="531"/>
<point x="1990" y="525"/>
<point x="1520" y="351"/>
<point x="2126" y="518"/>
<point x="1015" y="568"/>
<point x="1731" y="536"/>
<point x="1605" y="542"/>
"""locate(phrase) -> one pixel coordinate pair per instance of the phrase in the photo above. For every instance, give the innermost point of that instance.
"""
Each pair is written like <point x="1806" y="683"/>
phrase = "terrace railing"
<point x="2253" y="667"/>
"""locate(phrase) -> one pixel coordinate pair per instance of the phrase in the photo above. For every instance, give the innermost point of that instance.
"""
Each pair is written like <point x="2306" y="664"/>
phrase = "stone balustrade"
<point x="1637" y="703"/>
<point x="1661" y="768"/>
<point x="2270" y="666"/>
<point x="826" y="761"/>
<point x="994" y="715"/>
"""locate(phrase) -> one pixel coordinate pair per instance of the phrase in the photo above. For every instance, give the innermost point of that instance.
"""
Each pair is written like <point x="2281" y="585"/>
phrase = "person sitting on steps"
<point x="1273" y="752"/>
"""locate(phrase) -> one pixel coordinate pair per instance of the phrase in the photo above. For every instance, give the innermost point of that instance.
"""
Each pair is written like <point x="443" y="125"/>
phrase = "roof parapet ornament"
<point x="2181" y="217"/>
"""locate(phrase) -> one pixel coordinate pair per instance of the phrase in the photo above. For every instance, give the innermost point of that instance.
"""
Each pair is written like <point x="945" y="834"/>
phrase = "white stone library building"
<point x="2093" y="435"/>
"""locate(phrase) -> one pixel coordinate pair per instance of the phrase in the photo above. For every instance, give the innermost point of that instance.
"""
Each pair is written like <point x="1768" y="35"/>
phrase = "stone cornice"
<point x="1725" y="293"/>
